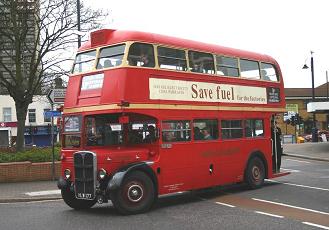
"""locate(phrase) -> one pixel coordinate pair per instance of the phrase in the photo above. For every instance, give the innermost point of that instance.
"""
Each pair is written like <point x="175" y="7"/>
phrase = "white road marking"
<point x="228" y="205"/>
<point x="269" y="214"/>
<point x="316" y="225"/>
<point x="44" y="193"/>
<point x="299" y="185"/>
<point x="291" y="206"/>
<point x="30" y="202"/>
<point x="291" y="170"/>
<point x="307" y="162"/>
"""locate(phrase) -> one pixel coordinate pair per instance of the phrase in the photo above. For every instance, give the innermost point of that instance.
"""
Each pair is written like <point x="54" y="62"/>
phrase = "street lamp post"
<point x="314" y="129"/>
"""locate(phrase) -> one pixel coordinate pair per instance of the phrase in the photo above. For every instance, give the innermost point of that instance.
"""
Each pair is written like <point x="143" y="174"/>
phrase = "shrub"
<point x="33" y="155"/>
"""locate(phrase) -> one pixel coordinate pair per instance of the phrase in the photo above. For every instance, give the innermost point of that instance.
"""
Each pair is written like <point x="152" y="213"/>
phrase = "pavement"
<point x="312" y="151"/>
<point x="47" y="190"/>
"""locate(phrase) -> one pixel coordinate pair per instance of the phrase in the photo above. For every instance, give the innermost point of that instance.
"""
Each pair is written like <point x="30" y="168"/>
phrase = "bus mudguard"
<point x="120" y="174"/>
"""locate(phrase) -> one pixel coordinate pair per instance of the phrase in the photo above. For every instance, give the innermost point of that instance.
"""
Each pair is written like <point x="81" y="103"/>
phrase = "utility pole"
<point x="327" y="85"/>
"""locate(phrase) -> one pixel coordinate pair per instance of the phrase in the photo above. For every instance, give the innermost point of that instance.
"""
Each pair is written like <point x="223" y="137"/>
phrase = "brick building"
<point x="297" y="99"/>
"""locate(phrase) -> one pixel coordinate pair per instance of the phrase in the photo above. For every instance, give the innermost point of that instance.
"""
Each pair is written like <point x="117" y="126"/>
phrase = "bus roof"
<point x="105" y="37"/>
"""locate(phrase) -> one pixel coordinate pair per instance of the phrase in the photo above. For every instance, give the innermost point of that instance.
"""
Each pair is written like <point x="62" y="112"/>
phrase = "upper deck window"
<point x="249" y="69"/>
<point x="141" y="54"/>
<point x="110" y="56"/>
<point x="173" y="59"/>
<point x="201" y="62"/>
<point x="227" y="66"/>
<point x="268" y="72"/>
<point x="84" y="61"/>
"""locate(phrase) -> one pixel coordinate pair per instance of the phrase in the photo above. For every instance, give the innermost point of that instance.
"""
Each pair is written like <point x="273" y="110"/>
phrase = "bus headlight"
<point x="67" y="173"/>
<point x="102" y="174"/>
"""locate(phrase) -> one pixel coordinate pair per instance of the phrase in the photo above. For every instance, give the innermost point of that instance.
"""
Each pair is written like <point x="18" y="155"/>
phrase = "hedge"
<point x="32" y="155"/>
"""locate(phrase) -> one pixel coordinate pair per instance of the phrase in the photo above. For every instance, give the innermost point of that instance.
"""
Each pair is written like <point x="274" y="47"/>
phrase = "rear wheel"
<point x="255" y="173"/>
<point x="70" y="200"/>
<point x="135" y="195"/>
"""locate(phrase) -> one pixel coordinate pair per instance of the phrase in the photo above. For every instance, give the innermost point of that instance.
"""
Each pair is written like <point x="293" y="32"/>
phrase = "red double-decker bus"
<point x="147" y="115"/>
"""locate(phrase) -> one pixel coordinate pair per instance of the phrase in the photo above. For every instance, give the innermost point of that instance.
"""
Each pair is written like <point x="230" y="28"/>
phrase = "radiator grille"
<point x="85" y="175"/>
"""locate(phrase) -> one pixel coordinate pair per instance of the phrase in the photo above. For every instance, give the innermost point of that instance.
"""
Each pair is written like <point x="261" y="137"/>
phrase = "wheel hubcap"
<point x="135" y="193"/>
<point x="256" y="173"/>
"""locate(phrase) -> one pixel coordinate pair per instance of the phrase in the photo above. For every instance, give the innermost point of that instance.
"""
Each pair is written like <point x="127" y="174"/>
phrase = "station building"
<point x="298" y="100"/>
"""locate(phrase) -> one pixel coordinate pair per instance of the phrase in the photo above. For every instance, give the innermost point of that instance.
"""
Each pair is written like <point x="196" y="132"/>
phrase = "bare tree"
<point x="34" y="38"/>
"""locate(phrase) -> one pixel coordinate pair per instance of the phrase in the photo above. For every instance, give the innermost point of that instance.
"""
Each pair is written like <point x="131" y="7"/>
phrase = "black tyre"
<point x="70" y="200"/>
<point x="255" y="173"/>
<point x="135" y="195"/>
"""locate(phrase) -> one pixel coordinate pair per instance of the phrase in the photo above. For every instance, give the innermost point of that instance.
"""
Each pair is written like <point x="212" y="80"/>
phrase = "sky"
<point x="287" y="30"/>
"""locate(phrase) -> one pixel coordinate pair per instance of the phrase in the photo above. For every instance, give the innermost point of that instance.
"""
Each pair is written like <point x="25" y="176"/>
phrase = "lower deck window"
<point x="101" y="131"/>
<point x="173" y="131"/>
<point x="232" y="129"/>
<point x="254" y="128"/>
<point x="205" y="129"/>
<point x="142" y="132"/>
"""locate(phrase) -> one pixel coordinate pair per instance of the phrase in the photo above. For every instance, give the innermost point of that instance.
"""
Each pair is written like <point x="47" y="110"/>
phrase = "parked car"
<point x="308" y="137"/>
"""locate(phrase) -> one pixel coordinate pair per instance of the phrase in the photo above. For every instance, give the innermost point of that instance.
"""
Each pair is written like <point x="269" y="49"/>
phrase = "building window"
<point x="46" y="119"/>
<point x="32" y="116"/>
<point x="6" y="114"/>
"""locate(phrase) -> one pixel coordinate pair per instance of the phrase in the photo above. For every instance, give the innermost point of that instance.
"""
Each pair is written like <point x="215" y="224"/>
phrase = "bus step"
<point x="280" y="174"/>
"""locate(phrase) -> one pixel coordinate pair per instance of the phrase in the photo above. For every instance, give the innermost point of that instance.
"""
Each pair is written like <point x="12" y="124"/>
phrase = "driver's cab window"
<point x="141" y="54"/>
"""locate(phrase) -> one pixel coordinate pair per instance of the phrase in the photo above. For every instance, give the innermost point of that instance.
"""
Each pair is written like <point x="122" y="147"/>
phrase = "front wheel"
<point x="255" y="173"/>
<point x="135" y="195"/>
<point x="70" y="200"/>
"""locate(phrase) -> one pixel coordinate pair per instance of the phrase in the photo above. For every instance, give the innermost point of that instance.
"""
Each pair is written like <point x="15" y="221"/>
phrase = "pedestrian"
<point x="277" y="147"/>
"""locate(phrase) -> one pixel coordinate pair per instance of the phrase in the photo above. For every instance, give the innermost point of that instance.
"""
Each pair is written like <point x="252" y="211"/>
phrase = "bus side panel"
<point x="177" y="172"/>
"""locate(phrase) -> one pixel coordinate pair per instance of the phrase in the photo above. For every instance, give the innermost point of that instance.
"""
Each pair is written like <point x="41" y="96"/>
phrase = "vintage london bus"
<point x="147" y="115"/>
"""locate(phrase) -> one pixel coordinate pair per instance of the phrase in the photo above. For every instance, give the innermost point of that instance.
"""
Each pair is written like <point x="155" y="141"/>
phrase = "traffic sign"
<point x="54" y="113"/>
<point x="56" y="96"/>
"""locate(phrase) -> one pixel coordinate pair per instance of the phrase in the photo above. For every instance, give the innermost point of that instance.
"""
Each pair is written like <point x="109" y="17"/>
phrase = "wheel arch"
<point x="120" y="174"/>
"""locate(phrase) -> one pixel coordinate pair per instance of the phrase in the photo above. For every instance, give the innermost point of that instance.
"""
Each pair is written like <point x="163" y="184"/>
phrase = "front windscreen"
<point x="72" y="124"/>
<point x="84" y="62"/>
<point x="72" y="132"/>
